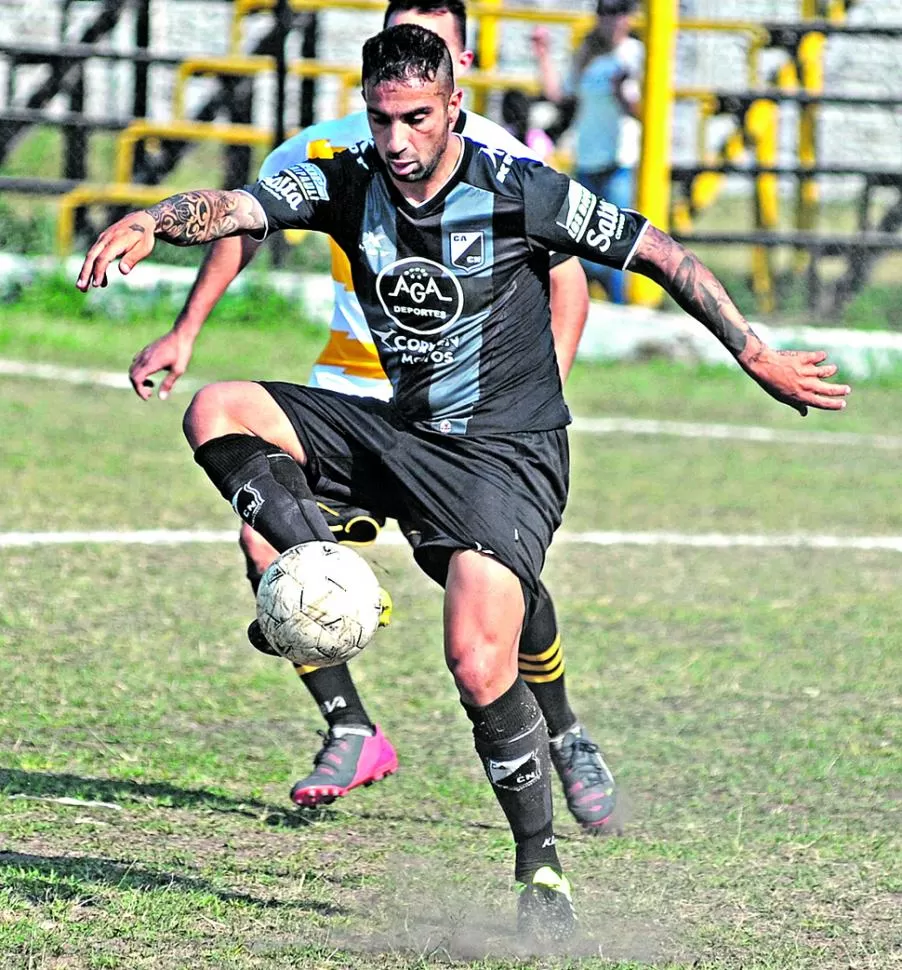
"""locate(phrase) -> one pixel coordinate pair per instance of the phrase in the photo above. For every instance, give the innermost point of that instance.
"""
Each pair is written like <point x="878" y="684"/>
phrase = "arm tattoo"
<point x="198" y="217"/>
<point x="693" y="286"/>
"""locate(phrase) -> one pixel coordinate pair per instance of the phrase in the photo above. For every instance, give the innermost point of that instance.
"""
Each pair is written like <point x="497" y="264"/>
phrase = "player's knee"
<point x="206" y="415"/>
<point x="235" y="407"/>
<point x="481" y="673"/>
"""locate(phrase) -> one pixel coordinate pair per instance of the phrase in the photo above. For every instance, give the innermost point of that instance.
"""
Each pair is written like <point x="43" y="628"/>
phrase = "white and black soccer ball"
<point x="319" y="604"/>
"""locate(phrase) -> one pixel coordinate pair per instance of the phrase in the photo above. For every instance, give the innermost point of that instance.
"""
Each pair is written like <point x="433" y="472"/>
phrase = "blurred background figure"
<point x="517" y="116"/>
<point x="600" y="98"/>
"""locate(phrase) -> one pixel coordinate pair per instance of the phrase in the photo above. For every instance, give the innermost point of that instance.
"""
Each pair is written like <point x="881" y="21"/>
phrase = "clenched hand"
<point x="172" y="353"/>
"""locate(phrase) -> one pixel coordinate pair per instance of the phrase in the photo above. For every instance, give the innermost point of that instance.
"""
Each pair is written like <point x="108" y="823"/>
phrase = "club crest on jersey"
<point x="419" y="295"/>
<point x="467" y="249"/>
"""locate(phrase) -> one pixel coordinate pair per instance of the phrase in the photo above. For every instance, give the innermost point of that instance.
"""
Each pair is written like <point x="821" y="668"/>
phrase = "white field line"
<point x="713" y="540"/>
<point x="630" y="426"/>
<point x="733" y="432"/>
<point x="68" y="375"/>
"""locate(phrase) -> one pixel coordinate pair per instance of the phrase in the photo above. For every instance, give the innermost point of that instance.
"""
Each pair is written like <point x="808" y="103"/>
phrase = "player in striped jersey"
<point x="355" y="751"/>
<point x="472" y="447"/>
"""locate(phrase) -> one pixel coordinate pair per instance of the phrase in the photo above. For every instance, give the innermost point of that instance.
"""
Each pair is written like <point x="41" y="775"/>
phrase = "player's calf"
<point x="242" y="468"/>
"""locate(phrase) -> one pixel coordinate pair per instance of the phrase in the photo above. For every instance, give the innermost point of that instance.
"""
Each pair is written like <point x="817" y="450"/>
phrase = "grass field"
<point x="748" y="699"/>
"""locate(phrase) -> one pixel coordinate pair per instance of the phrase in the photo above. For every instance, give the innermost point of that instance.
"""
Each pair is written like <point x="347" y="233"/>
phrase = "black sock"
<point x="252" y="474"/>
<point x="331" y="687"/>
<point x="334" y="692"/>
<point x="541" y="663"/>
<point x="512" y="741"/>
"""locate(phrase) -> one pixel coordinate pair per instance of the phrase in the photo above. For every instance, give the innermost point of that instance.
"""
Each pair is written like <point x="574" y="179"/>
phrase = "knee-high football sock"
<point x="541" y="663"/>
<point x="512" y="741"/>
<point x="242" y="468"/>
<point x="336" y="696"/>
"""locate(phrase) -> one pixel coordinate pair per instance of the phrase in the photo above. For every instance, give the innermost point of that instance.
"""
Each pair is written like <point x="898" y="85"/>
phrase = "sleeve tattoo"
<point x="190" y="218"/>
<point x="693" y="286"/>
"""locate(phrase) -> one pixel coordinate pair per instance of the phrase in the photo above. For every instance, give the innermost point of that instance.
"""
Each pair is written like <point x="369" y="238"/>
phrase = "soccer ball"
<point x="319" y="604"/>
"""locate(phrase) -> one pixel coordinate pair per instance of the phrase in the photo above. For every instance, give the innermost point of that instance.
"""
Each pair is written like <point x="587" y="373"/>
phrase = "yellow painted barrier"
<point x="251" y="65"/>
<point x="811" y="63"/>
<point x="762" y="124"/>
<point x="113" y="194"/>
<point x="653" y="196"/>
<point x="181" y="131"/>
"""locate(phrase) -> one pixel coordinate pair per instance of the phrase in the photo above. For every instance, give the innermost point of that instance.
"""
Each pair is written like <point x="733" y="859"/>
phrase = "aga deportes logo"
<point x="419" y="295"/>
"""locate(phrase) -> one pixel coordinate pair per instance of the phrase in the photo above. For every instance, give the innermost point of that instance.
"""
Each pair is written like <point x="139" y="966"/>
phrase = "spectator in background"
<point x="601" y="100"/>
<point x="516" y="117"/>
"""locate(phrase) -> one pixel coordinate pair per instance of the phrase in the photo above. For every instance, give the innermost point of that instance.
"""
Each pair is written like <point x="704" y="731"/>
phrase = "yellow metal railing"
<point x="489" y="15"/>
<point x="653" y="185"/>
<point x="755" y="132"/>
<point x="249" y="65"/>
<point x="139" y="131"/>
<point x="115" y="194"/>
<point x="123" y="191"/>
<point x="762" y="121"/>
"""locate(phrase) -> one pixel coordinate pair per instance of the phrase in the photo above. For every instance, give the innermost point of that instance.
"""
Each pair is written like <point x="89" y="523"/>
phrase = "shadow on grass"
<point x="50" y="786"/>
<point x="39" y="784"/>
<point x="43" y="879"/>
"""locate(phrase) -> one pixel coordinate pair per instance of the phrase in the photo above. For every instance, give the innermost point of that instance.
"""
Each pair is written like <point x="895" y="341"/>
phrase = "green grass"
<point x="748" y="701"/>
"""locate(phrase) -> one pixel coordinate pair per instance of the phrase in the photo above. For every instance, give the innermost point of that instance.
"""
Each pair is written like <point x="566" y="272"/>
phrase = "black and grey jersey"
<point x="455" y="291"/>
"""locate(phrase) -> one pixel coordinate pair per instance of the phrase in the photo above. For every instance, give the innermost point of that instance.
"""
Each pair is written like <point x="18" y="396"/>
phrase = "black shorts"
<point x="501" y="494"/>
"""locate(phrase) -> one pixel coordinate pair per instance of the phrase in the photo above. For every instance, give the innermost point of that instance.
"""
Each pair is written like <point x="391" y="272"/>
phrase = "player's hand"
<point x="797" y="378"/>
<point x="540" y="40"/>
<point x="132" y="238"/>
<point x="172" y="353"/>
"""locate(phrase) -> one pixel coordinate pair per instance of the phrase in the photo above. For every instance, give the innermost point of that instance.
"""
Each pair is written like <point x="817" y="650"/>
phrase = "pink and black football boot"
<point x="588" y="783"/>
<point x="350" y="757"/>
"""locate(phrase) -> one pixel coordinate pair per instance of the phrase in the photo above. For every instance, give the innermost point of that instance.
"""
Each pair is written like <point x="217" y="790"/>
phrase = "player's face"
<point x="411" y="122"/>
<point x="442" y="24"/>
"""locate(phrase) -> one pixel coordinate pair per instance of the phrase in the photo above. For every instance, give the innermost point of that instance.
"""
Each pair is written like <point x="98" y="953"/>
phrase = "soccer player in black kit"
<point x="449" y="244"/>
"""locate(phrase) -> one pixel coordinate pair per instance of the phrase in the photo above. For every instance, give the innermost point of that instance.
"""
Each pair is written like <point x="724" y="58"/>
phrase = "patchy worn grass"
<point x="748" y="701"/>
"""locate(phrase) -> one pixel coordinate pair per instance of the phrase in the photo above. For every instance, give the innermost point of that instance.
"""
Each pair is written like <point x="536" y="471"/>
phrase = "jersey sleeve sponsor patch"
<point x="300" y="183"/>
<point x="576" y="211"/>
<point x="598" y="226"/>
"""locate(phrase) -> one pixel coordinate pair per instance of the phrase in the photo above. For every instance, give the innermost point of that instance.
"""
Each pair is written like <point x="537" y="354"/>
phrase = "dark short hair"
<point x="404" y="53"/>
<point x="614" y="8"/>
<point x="515" y="107"/>
<point x="457" y="9"/>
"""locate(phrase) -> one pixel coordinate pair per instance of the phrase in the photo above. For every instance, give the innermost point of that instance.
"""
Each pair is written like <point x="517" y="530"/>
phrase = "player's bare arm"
<point x="199" y="217"/>
<point x="172" y="351"/>
<point x="569" y="298"/>
<point x="185" y="219"/>
<point x="796" y="378"/>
